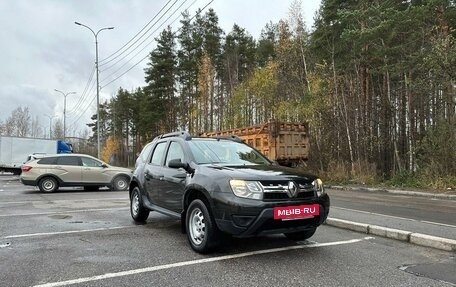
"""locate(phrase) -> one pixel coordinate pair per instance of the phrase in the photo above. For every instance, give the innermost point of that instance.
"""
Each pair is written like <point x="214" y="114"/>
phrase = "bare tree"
<point x="18" y="123"/>
<point x="9" y="126"/>
<point x="22" y="117"/>
<point x="2" y="128"/>
<point x="36" y="131"/>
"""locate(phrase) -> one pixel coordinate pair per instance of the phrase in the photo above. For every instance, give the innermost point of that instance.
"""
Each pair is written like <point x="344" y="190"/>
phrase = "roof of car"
<point x="69" y="154"/>
<point x="182" y="134"/>
<point x="186" y="136"/>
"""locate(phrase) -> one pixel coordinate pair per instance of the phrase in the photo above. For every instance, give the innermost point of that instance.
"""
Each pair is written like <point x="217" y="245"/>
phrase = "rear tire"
<point x="202" y="232"/>
<point x="137" y="210"/>
<point x="301" y="235"/>
<point x="48" y="184"/>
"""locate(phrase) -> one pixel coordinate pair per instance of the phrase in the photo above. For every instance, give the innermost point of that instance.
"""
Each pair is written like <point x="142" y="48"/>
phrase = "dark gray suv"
<point x="222" y="187"/>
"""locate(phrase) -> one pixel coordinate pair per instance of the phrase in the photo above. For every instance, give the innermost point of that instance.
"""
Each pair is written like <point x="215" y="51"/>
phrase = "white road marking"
<point x="65" y="232"/>
<point x="62" y="200"/>
<point x="395" y="217"/>
<point x="436" y="223"/>
<point x="193" y="262"/>
<point x="64" y="212"/>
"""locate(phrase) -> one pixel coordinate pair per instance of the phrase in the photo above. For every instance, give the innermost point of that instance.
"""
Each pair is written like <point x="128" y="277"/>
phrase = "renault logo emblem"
<point x="292" y="190"/>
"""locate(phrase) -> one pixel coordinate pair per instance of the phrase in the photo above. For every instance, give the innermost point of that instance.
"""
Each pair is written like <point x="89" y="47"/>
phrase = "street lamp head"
<point x="63" y="93"/>
<point x="77" y="23"/>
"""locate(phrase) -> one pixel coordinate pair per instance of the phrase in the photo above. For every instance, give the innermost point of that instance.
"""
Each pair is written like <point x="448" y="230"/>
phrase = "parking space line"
<point x="63" y="200"/>
<point x="194" y="262"/>
<point x="64" y="211"/>
<point x="65" y="232"/>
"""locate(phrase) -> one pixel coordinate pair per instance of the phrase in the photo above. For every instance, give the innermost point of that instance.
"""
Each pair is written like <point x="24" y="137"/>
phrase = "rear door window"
<point x="48" y="160"/>
<point x="69" y="160"/>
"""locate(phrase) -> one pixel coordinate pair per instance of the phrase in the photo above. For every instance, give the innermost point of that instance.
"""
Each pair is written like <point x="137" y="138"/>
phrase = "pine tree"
<point x="160" y="89"/>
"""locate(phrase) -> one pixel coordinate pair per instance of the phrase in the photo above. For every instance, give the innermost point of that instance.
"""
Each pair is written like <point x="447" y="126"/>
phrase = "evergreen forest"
<point x="375" y="80"/>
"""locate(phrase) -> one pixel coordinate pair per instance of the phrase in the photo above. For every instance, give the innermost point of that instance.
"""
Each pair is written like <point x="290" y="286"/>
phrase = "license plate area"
<point x="296" y="212"/>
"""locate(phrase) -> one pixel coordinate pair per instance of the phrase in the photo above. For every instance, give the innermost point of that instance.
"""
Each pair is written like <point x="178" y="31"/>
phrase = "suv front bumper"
<point x="245" y="217"/>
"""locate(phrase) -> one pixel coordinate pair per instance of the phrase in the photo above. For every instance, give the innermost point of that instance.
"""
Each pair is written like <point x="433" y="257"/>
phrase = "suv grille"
<point x="278" y="190"/>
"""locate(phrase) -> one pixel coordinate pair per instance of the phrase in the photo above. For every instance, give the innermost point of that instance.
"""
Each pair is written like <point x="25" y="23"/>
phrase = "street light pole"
<point x="98" y="86"/>
<point x="64" y="109"/>
<point x="50" y="124"/>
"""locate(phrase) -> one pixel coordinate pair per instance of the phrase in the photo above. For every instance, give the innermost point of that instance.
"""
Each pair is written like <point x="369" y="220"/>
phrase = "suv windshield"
<point x="227" y="152"/>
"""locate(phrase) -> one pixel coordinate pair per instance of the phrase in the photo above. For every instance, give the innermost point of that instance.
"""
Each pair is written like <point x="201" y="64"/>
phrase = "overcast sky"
<point x="42" y="49"/>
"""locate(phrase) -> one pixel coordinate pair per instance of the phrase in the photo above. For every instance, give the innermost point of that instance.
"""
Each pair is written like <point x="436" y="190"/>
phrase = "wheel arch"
<point x="121" y="175"/>
<point x="194" y="192"/>
<point x="59" y="181"/>
<point x="132" y="185"/>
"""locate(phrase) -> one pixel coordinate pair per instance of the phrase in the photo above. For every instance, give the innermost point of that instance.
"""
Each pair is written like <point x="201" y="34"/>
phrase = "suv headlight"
<point x="318" y="185"/>
<point x="246" y="189"/>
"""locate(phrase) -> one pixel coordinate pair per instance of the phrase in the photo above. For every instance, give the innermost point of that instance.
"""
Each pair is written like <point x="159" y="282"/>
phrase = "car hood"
<point x="119" y="169"/>
<point x="261" y="172"/>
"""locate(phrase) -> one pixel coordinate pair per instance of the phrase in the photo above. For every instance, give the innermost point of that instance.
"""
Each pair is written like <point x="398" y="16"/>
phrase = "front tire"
<point x="48" y="184"/>
<point x="137" y="210"/>
<point x="120" y="183"/>
<point x="301" y="235"/>
<point x="202" y="232"/>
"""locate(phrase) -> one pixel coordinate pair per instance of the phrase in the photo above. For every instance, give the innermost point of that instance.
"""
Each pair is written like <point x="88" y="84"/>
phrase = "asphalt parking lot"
<point x="78" y="238"/>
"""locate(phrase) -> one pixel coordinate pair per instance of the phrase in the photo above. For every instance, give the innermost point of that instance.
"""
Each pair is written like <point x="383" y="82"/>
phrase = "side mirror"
<point x="104" y="166"/>
<point x="177" y="163"/>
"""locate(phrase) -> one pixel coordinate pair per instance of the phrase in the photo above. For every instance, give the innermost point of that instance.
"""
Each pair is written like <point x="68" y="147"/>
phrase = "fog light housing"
<point x="243" y="220"/>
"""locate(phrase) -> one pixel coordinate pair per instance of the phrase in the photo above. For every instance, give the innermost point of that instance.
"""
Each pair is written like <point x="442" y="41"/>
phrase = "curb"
<point x="397" y="234"/>
<point x="393" y="191"/>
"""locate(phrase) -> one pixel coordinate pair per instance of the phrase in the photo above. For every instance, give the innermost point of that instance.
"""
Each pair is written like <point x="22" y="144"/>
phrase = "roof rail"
<point x="182" y="134"/>
<point x="234" y="138"/>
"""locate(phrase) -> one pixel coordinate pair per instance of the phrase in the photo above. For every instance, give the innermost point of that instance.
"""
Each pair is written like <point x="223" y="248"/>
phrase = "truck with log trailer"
<point x="284" y="142"/>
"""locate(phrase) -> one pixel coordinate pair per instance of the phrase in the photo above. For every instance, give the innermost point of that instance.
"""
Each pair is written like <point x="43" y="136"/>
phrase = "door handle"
<point x="180" y="175"/>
